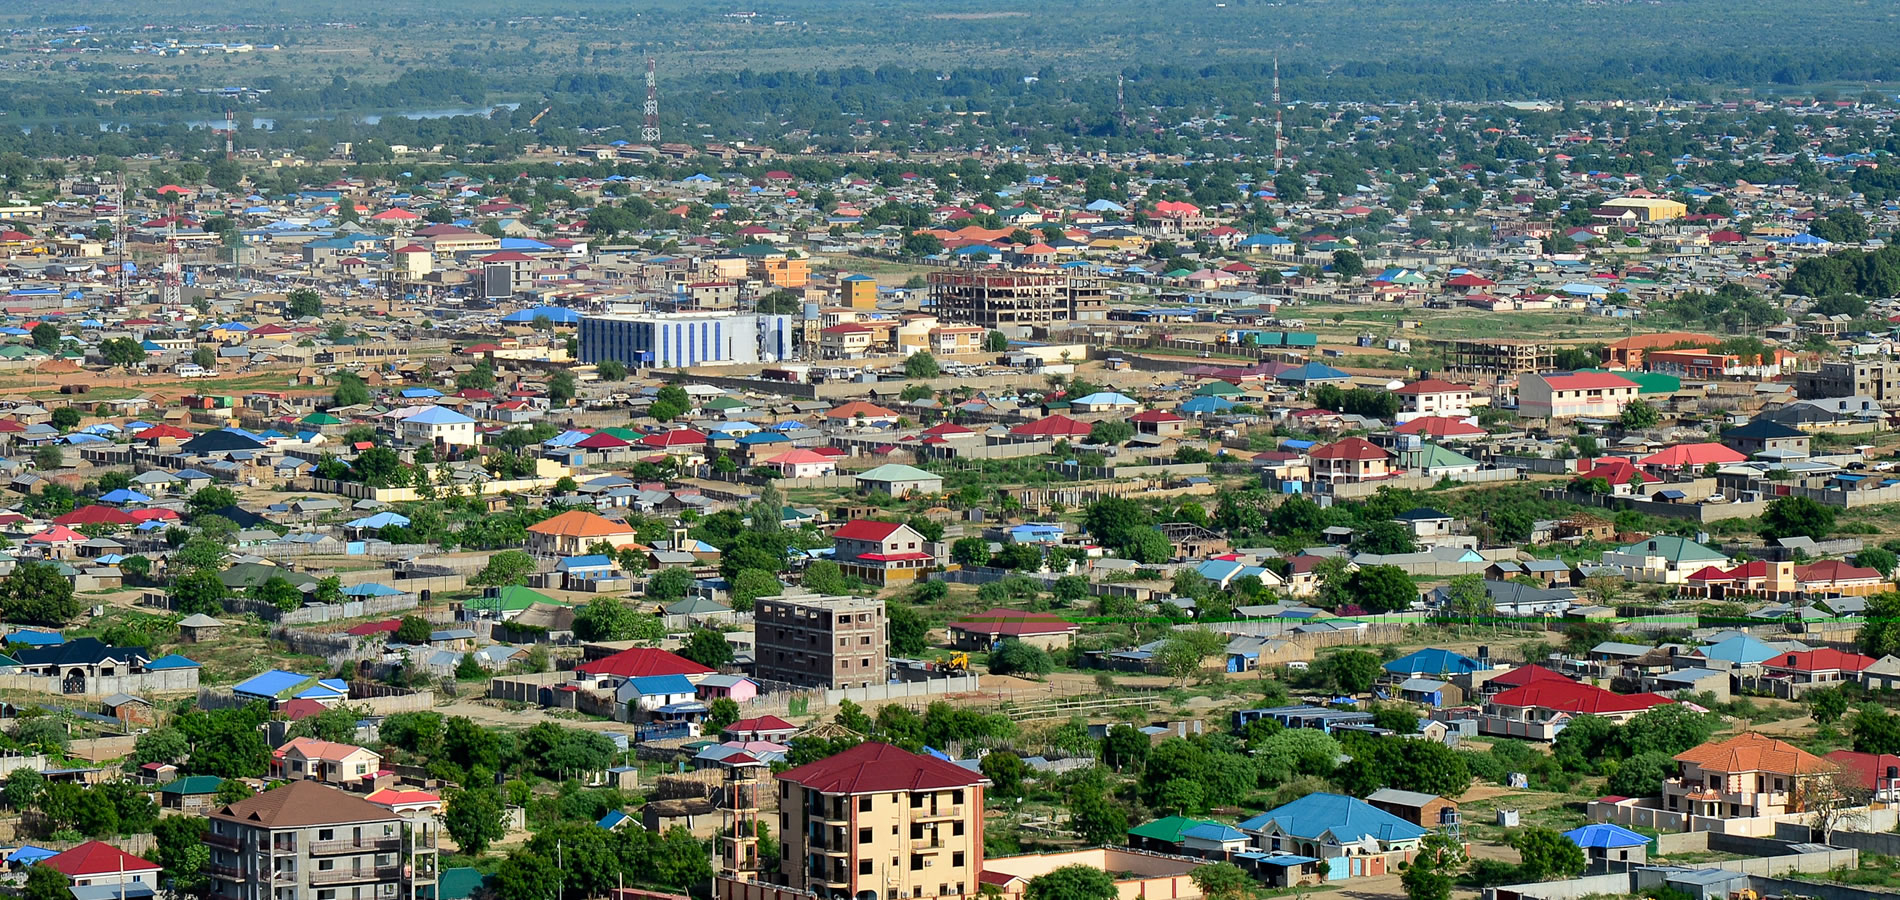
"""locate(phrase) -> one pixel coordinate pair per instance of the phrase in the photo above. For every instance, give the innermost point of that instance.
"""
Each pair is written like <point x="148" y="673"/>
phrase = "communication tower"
<point x="739" y="848"/>
<point x="651" y="133"/>
<point x="1279" y="142"/>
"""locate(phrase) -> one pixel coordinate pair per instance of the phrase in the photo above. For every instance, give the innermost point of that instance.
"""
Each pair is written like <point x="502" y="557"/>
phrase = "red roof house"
<point x="639" y="662"/>
<point x="874" y="768"/>
<point x="99" y="861"/>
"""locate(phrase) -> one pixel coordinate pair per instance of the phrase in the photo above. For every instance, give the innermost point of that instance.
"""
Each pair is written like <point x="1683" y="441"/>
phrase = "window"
<point x="956" y="828"/>
<point x="916" y="863"/>
<point x="327" y="834"/>
<point x="864" y="804"/>
<point x="864" y="867"/>
<point x="956" y="859"/>
<point x="864" y="835"/>
<point x="327" y="894"/>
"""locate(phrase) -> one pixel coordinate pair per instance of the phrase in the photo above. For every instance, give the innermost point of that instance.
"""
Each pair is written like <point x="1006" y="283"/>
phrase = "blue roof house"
<point x="648" y="693"/>
<point x="1608" y="841"/>
<point x="1433" y="661"/>
<point x="1352" y="835"/>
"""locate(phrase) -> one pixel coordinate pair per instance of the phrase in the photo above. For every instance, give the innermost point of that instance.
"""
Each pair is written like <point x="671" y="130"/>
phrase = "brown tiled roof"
<point x="1754" y="753"/>
<point x="300" y="804"/>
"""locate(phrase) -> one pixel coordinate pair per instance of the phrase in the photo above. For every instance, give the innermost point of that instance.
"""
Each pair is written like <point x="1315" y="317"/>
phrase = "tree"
<point x="909" y="633"/>
<point x="479" y="377"/>
<point x="611" y="370"/>
<point x="23" y="787"/>
<point x="45" y="336"/>
<point x="1352" y="671"/>
<point x="208" y="500"/>
<point x="1832" y="800"/>
<point x="1429" y="875"/>
<point x="1076" y="882"/>
<point x="1385" y="539"/>
<point x="1006" y="772"/>
<point x="1184" y="652"/>
<point x="204" y="358"/>
<point x="1638" y="414"/>
<point x="473" y="817"/>
<point x="1017" y="657"/>
<point x="708" y="648"/>
<point x="48" y="883"/>
<point x="1547" y="855"/>
<point x="1877" y="558"/>
<point x="1825" y="706"/>
<point x="1382" y="589"/>
<point x="1348" y="264"/>
<point x="721" y="712"/>
<point x="825" y="577"/>
<point x="350" y="390"/>
<point x="970" y="551"/>
<point x="1096" y="817"/>
<point x="413" y="630"/>
<point x="121" y="351"/>
<point x="279" y="592"/>
<point x="561" y="387"/>
<point x="469" y="669"/>
<point x="669" y="403"/>
<point x="182" y="850"/>
<point x="669" y="584"/>
<point x="751" y="584"/>
<point x="303" y="303"/>
<point x="36" y="594"/>
<point x="199" y="591"/>
<point x="608" y="619"/>
<point x="509" y="567"/>
<point x="922" y="365"/>
<point x="66" y="418"/>
<point x="779" y="303"/>
<point x="1467" y="597"/>
<point x="995" y="342"/>
<point x="1111" y="432"/>
<point x="48" y="458"/>
<point x="1642" y="775"/>
<point x="1124" y="747"/>
<point x="1395" y="718"/>
<point x="1796" y="516"/>
<point x="1226" y="881"/>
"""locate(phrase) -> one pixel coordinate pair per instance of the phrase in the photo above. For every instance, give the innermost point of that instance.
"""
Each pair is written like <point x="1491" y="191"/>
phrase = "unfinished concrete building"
<point x="1019" y="301"/>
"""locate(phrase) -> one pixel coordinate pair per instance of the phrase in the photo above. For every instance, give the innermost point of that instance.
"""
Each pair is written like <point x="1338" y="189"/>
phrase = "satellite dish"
<point x="1394" y="385"/>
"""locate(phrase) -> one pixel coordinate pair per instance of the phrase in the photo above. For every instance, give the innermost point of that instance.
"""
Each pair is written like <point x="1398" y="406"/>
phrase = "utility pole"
<point x="1121" y="103"/>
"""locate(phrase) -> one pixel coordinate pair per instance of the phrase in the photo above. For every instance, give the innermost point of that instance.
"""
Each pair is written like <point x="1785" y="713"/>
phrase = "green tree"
<point x="995" y="342"/>
<point x="1225" y="881"/>
<point x="1796" y="517"/>
<point x="45" y="336"/>
<point x="1111" y="432"/>
<point x="970" y="551"/>
<point x="199" y="591"/>
<point x="1638" y="414"/>
<point x="611" y="370"/>
<point x="47" y="883"/>
<point x="825" y="577"/>
<point x="751" y="584"/>
<point x="1878" y="558"/>
<point x="721" y="712"/>
<point x="1352" y="671"/>
<point x="1547" y="854"/>
<point x="779" y="303"/>
<point x="1429" y="875"/>
<point x="182" y="850"/>
<point x="561" y="387"/>
<point x="1384" y="539"/>
<point x="279" y="592"/>
<point x="473" y="817"/>
<point x="469" y="669"/>
<point x="66" y="418"/>
<point x="47" y="458"/>
<point x="922" y="365"/>
<point x="1348" y="264"/>
<point x="1097" y="819"/>
<point x="1382" y="589"/>
<point x="350" y="390"/>
<point x="121" y="351"/>
<point x="36" y="594"/>
<point x="669" y="584"/>
<point x="909" y="633"/>
<point x="1124" y="748"/>
<point x="1642" y="775"/>
<point x="1825" y="705"/>
<point x="509" y="567"/>
<point x="608" y="619"/>
<point x="413" y="630"/>
<point x="1076" y="882"/>
<point x="1880" y="632"/>
<point x="1006" y="772"/>
<point x="208" y="500"/>
<point x="303" y="303"/>
<point x="1015" y="657"/>
<point x="708" y="648"/>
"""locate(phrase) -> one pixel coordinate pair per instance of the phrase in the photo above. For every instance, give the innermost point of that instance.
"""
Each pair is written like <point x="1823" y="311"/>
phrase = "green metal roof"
<point x="1647" y="382"/>
<point x="1167" y="830"/>
<point x="193" y="784"/>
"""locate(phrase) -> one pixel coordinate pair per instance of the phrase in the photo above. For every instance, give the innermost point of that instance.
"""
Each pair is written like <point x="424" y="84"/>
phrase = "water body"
<point x="264" y="123"/>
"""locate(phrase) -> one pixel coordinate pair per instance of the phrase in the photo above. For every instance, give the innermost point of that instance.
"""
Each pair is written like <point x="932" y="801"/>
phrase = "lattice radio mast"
<point x="230" y="134"/>
<point x="171" y="299"/>
<point x="1121" y="103"/>
<point x="1279" y="142"/>
<point x="651" y="133"/>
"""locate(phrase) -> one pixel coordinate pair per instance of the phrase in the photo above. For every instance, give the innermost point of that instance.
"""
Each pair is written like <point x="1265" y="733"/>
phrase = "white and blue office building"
<point x="676" y="340"/>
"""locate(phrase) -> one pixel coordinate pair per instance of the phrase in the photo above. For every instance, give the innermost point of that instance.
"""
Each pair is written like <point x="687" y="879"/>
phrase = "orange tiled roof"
<point x="1754" y="753"/>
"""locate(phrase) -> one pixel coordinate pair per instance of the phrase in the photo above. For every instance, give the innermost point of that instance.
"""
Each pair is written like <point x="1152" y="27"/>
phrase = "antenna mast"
<point x="1279" y="142"/>
<point x="230" y="133"/>
<point x="118" y="236"/>
<point x="172" y="297"/>
<point x="651" y="133"/>
<point x="1121" y="103"/>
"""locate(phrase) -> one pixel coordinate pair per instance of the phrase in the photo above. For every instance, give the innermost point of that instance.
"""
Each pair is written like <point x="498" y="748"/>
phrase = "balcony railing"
<point x="366" y="845"/>
<point x="926" y="845"/>
<point x="941" y="812"/>
<point x="228" y="873"/>
<point x="341" y="876"/>
<point x="223" y="840"/>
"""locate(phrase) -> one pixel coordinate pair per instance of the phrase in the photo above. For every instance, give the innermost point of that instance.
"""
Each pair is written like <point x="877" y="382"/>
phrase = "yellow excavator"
<point x="958" y="663"/>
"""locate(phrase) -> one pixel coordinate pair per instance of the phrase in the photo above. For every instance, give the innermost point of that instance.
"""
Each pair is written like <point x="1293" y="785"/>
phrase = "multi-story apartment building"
<point x="1567" y="396"/>
<point x="304" y="841"/>
<point x="876" y="821"/>
<point x="1015" y="302"/>
<point x="830" y="642"/>
<point x="882" y="553"/>
<point x="1879" y="379"/>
